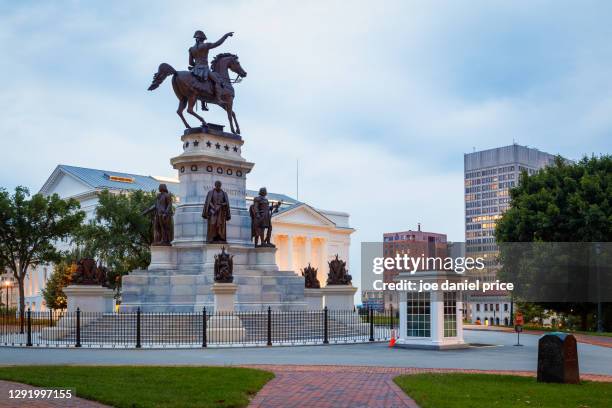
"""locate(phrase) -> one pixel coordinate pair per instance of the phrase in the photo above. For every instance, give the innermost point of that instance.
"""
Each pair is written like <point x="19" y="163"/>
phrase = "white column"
<point x="459" y="318"/>
<point x="437" y="317"/>
<point x="290" y="253"/>
<point x="307" y="251"/>
<point x="324" y="269"/>
<point x="324" y="255"/>
<point x="279" y="252"/>
<point x="402" y="315"/>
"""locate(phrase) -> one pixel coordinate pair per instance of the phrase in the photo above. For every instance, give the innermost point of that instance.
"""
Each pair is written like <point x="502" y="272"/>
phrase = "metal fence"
<point x="174" y="330"/>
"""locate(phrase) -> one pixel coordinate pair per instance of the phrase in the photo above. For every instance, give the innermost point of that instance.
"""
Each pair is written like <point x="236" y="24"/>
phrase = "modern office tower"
<point x="488" y="177"/>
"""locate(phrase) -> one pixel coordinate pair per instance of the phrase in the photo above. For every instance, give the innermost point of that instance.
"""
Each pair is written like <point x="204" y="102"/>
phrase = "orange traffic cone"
<point x="392" y="341"/>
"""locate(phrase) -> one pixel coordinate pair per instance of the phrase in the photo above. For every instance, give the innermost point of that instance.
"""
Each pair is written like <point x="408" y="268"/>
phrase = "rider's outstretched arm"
<point x="221" y="40"/>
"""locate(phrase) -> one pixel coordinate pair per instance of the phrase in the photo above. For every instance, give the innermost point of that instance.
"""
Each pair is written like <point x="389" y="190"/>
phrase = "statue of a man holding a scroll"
<point x="217" y="213"/>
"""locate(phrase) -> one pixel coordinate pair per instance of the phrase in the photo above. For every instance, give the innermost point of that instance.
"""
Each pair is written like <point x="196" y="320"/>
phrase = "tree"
<point x="54" y="290"/>
<point x="120" y="235"/>
<point x="562" y="203"/>
<point x="29" y="229"/>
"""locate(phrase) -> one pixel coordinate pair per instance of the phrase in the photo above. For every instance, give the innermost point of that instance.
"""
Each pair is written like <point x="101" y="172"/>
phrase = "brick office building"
<point x="415" y="244"/>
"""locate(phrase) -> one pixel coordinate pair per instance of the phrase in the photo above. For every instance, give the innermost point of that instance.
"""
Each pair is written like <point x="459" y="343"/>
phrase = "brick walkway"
<point x="349" y="386"/>
<point x="73" y="402"/>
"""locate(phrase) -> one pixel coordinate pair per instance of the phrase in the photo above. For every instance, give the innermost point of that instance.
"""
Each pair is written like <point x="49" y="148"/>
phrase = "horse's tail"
<point x="163" y="72"/>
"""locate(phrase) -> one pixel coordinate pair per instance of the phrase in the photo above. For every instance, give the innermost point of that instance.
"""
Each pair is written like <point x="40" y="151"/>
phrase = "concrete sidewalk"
<point x="602" y="341"/>
<point x="501" y="356"/>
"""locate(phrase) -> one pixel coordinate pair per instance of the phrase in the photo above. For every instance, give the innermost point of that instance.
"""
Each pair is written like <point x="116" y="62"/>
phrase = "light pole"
<point x="8" y="293"/>
<point x="7" y="286"/>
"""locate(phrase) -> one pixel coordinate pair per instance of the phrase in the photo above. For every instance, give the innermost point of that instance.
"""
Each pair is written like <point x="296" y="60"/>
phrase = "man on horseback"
<point x="198" y="61"/>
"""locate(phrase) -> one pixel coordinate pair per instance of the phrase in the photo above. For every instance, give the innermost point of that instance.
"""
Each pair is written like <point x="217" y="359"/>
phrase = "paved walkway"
<point x="6" y="402"/>
<point x="350" y="386"/>
<point x="502" y="356"/>
<point x="602" y="341"/>
<point x="330" y="387"/>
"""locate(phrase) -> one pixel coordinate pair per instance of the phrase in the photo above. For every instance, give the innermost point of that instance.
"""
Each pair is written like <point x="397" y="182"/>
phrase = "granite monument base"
<point x="90" y="298"/>
<point x="225" y="296"/>
<point x="339" y="297"/>
<point x="314" y="299"/>
<point x="188" y="285"/>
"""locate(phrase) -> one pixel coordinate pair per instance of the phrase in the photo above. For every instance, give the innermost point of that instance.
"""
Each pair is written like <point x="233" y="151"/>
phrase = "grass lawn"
<point x="500" y="391"/>
<point x="131" y="386"/>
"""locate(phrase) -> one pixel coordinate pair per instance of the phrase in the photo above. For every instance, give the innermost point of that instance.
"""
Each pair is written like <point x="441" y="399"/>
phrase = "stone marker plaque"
<point x="558" y="359"/>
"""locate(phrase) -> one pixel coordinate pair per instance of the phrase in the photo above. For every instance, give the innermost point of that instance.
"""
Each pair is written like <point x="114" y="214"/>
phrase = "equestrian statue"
<point x="203" y="83"/>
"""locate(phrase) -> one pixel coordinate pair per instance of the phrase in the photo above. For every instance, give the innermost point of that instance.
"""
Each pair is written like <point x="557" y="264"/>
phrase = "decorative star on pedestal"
<point x="208" y="144"/>
<point x="196" y="143"/>
<point x="235" y="148"/>
<point x="218" y="145"/>
<point x="226" y="147"/>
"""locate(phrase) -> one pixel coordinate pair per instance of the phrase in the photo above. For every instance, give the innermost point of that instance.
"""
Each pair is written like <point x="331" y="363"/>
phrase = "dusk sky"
<point x="378" y="100"/>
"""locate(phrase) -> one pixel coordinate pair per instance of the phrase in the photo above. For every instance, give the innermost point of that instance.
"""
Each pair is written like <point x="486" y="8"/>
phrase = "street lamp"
<point x="7" y="285"/>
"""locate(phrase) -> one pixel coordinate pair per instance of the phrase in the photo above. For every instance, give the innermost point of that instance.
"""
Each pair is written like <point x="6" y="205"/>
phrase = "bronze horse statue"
<point x="189" y="89"/>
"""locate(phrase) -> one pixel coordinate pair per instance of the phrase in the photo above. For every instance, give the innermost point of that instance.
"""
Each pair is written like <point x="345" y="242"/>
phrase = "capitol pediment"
<point x="64" y="184"/>
<point x="303" y="214"/>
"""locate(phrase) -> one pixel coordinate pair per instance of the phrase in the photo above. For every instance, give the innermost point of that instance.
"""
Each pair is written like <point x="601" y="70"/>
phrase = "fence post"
<point x="269" y="326"/>
<point x="78" y="328"/>
<point x="371" y="324"/>
<point x="325" y="326"/>
<point x="29" y="342"/>
<point x="204" y="326"/>
<point x="138" y="345"/>
<point x="391" y="315"/>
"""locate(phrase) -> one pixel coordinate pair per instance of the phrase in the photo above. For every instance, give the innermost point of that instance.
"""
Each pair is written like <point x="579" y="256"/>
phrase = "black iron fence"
<point x="158" y="330"/>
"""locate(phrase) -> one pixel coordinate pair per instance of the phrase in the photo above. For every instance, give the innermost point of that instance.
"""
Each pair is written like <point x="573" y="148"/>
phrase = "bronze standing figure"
<point x="217" y="212"/>
<point x="163" y="227"/>
<point x="261" y="219"/>
<point x="212" y="85"/>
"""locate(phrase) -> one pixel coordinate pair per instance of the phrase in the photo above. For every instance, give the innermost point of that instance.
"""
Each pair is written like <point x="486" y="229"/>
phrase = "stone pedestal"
<point x="224" y="325"/>
<point x="162" y="257"/>
<point x="422" y="331"/>
<point x="90" y="298"/>
<point x="339" y="297"/>
<point x="314" y="299"/>
<point x="180" y="277"/>
<point x="210" y="155"/>
<point x="225" y="296"/>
